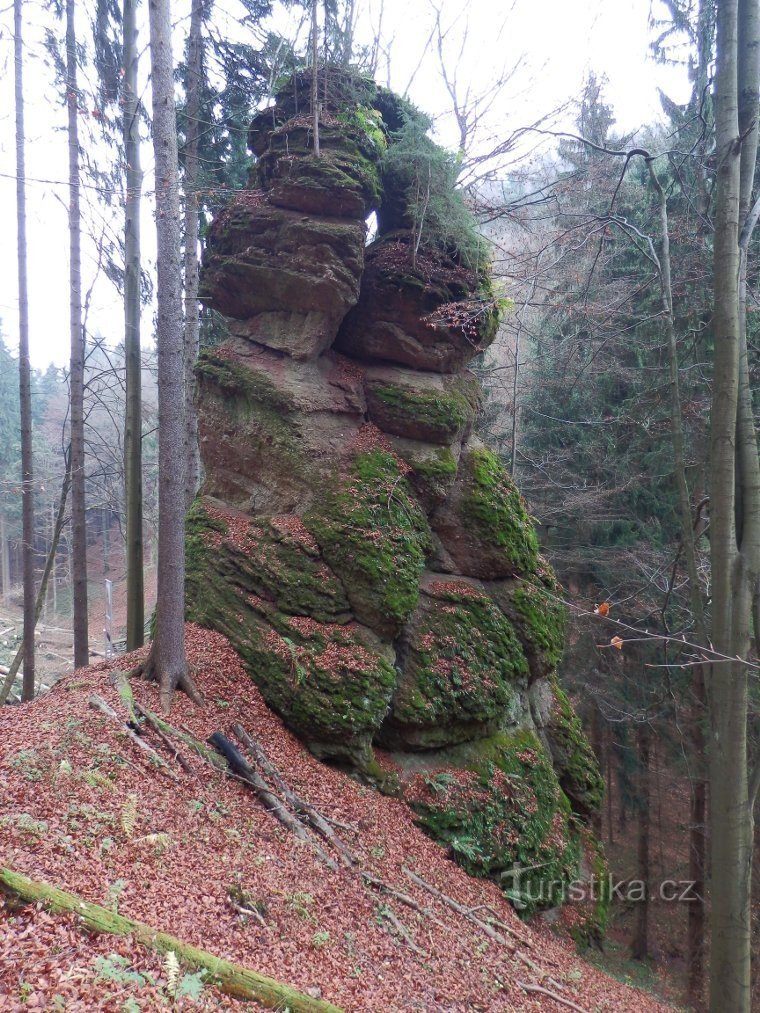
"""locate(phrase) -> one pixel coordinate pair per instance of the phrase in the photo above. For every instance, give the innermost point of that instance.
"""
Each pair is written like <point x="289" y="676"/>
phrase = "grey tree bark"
<point x="76" y="375"/>
<point x="167" y="661"/>
<point x="734" y="509"/>
<point x="193" y="82"/>
<point x="24" y="370"/>
<point x="132" y="358"/>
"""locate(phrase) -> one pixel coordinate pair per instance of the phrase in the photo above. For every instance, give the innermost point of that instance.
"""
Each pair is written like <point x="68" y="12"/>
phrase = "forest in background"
<point x="600" y="386"/>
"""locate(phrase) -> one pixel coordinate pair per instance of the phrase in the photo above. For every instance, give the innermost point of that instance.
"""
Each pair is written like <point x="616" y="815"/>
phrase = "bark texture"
<point x="168" y="656"/>
<point x="76" y="375"/>
<point x="24" y="372"/>
<point x="133" y="419"/>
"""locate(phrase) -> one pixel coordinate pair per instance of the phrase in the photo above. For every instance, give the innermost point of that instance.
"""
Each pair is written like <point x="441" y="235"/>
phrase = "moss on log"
<point x="232" y="979"/>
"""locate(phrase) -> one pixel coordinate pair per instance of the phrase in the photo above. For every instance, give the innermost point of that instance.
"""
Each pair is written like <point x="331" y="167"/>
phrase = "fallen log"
<point x="271" y="802"/>
<point x="306" y="809"/>
<point x="99" y="704"/>
<point x="233" y="979"/>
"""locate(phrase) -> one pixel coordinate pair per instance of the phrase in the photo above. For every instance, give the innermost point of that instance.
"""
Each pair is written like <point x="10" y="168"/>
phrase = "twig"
<point x="404" y="898"/>
<point x="299" y="805"/>
<point x="273" y="804"/>
<point x="528" y="987"/>
<point x="450" y="902"/>
<point x="500" y="924"/>
<point x="155" y="725"/>
<point x="98" y="703"/>
<point x="385" y="912"/>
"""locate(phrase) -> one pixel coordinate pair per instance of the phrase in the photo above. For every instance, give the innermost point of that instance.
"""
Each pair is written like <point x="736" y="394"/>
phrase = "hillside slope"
<point x="79" y="802"/>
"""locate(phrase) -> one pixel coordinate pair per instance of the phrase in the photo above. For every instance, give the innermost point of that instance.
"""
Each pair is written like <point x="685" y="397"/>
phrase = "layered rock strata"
<point x="368" y="557"/>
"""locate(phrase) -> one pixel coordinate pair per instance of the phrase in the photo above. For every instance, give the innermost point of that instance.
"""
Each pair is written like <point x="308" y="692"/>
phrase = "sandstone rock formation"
<point x="365" y="553"/>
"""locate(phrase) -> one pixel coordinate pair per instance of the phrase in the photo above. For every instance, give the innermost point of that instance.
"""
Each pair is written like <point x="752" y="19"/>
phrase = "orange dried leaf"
<point x="617" y="642"/>
<point x="601" y="610"/>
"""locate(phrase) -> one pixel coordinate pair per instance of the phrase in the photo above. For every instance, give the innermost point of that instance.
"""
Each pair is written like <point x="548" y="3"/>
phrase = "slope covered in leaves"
<point x="84" y="809"/>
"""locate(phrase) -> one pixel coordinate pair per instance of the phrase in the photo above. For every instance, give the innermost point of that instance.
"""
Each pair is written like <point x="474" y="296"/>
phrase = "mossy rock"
<point x="433" y="469"/>
<point x="258" y="459"/>
<point x="264" y="586"/>
<point x="339" y="183"/>
<point x="484" y="526"/>
<point x="590" y="913"/>
<point x="432" y="315"/>
<point x="539" y="618"/>
<point x="439" y="413"/>
<point x="462" y="670"/>
<point x="331" y="683"/>
<point x="574" y="759"/>
<point x="498" y="806"/>
<point x="273" y="559"/>
<point x="375" y="536"/>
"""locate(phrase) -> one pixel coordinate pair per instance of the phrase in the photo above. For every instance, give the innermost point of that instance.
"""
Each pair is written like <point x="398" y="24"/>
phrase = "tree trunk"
<point x="76" y="376"/>
<point x="132" y="358"/>
<point x="49" y="567"/>
<point x="24" y="374"/>
<point x="315" y="75"/>
<point x="192" y="323"/>
<point x="695" y="958"/>
<point x="640" y="947"/>
<point x="734" y="515"/>
<point x="168" y="655"/>
<point x="233" y="979"/>
<point x="5" y="561"/>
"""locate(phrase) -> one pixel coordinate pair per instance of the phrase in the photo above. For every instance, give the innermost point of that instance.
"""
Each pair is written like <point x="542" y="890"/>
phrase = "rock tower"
<point x="364" y="552"/>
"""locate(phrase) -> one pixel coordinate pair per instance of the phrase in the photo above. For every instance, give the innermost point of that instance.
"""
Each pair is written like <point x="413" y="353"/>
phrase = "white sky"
<point x="553" y="44"/>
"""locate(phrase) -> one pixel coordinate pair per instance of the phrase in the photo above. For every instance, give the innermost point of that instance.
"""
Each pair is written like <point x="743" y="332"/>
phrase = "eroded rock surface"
<point x="368" y="557"/>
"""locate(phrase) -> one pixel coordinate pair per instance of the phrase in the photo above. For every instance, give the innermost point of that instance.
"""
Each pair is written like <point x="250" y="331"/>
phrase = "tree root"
<point x="232" y="979"/>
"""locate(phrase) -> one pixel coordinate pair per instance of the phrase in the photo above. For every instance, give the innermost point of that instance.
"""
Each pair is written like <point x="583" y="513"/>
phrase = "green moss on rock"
<point x="374" y="535"/>
<point x="498" y="512"/>
<point x="574" y="760"/>
<point x="329" y="681"/>
<point x="326" y="680"/>
<point x="540" y="619"/>
<point x="432" y="474"/>
<point x="438" y="416"/>
<point x="498" y="806"/>
<point x="462" y="669"/>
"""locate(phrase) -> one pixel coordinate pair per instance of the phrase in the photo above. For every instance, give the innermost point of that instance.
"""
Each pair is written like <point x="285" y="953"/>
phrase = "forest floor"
<point x="84" y="809"/>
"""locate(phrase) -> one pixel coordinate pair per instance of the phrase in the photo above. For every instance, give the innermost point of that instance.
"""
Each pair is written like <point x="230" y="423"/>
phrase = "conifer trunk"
<point x="168" y="656"/>
<point x="24" y="374"/>
<point x="132" y="357"/>
<point x="76" y="375"/>
<point x="192" y="322"/>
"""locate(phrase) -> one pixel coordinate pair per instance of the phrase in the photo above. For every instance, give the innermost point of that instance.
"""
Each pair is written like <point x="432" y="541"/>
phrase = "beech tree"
<point x="734" y="507"/>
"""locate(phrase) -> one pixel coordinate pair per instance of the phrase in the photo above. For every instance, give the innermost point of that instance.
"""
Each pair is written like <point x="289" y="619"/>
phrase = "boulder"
<point x="484" y="526"/>
<point x="461" y="669"/>
<point x="431" y="315"/>
<point x="283" y="279"/>
<point x="422" y="406"/>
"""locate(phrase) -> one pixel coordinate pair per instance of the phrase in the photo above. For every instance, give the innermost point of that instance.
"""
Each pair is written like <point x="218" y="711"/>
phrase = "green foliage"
<point x="419" y="180"/>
